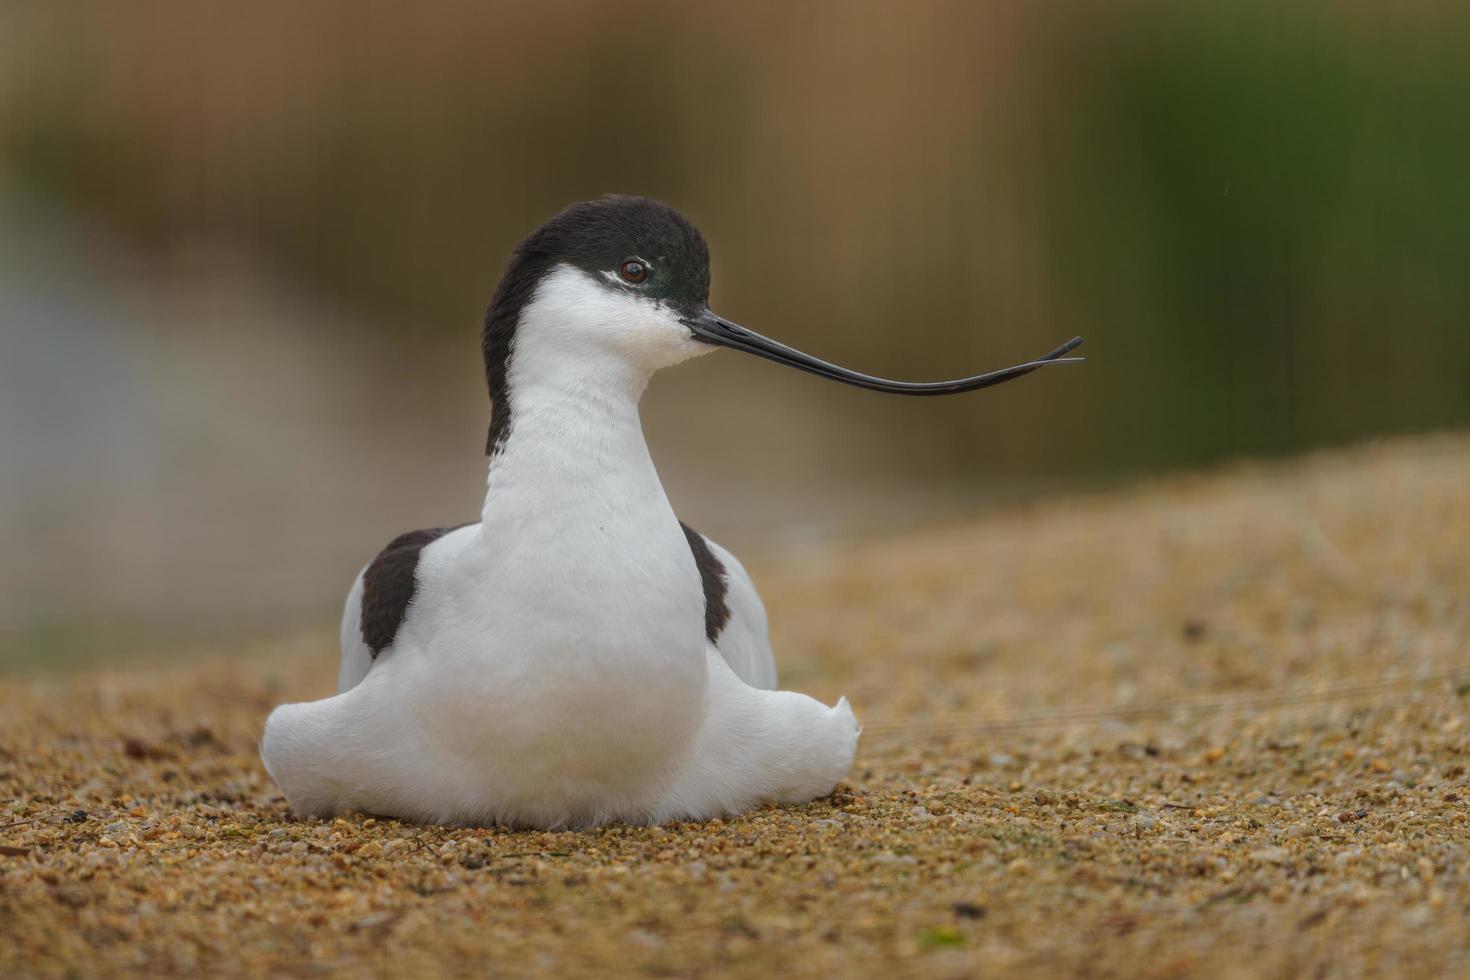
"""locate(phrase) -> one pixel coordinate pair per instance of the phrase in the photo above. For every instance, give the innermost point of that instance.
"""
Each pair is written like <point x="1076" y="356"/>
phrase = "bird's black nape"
<point x="594" y="236"/>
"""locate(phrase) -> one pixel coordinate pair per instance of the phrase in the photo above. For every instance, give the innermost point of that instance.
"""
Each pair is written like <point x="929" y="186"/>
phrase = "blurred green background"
<point x="244" y="253"/>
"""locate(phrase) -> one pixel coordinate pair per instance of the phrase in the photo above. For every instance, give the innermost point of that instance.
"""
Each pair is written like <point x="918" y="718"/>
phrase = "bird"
<point x="578" y="656"/>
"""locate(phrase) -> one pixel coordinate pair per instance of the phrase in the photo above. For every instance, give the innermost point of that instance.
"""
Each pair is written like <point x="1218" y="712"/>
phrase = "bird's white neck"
<point x="580" y="360"/>
<point x="571" y="439"/>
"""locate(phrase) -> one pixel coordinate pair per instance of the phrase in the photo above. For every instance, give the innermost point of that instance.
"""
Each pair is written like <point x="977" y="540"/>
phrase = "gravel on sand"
<point x="1214" y="725"/>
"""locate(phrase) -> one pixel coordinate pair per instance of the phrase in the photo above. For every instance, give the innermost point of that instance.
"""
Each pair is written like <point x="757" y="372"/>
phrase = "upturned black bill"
<point x="714" y="329"/>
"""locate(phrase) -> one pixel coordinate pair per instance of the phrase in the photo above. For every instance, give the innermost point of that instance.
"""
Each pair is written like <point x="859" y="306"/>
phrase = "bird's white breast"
<point x="570" y="622"/>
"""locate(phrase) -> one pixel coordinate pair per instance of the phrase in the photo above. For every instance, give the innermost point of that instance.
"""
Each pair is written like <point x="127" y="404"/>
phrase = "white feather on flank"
<point x="552" y="669"/>
<point x="357" y="659"/>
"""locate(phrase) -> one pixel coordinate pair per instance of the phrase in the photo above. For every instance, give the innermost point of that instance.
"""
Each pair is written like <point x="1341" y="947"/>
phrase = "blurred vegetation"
<point x="1258" y="214"/>
<point x="1283" y="189"/>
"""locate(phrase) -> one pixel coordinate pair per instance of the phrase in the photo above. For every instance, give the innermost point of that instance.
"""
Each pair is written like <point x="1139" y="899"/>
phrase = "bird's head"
<point x="618" y="288"/>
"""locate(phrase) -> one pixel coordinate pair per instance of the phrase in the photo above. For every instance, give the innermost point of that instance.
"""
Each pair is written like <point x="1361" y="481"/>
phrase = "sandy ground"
<point x="1213" y="726"/>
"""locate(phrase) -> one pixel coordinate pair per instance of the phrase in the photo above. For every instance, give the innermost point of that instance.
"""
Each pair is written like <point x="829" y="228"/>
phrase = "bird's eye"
<point x="634" y="271"/>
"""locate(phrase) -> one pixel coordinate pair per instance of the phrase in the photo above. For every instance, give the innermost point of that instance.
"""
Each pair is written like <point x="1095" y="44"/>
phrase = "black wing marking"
<point x="712" y="577"/>
<point x="388" y="586"/>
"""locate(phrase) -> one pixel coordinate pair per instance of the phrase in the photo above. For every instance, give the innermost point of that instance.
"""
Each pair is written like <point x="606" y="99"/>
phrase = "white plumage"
<point x="575" y="657"/>
<point x="553" y="668"/>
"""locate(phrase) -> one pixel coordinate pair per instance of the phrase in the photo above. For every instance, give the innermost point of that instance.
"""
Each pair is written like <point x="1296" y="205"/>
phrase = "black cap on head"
<point x="622" y="234"/>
